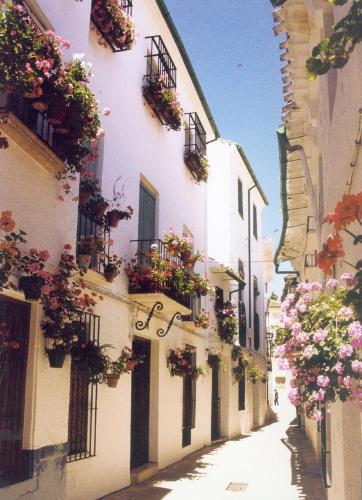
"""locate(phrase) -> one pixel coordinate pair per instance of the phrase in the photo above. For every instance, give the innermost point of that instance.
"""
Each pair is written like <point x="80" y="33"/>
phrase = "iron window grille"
<point x="82" y="422"/>
<point x="87" y="227"/>
<point x="159" y="63"/>
<point x="35" y="120"/>
<point x="195" y="135"/>
<point x="242" y="323"/>
<point x="142" y="252"/>
<point x="127" y="6"/>
<point x="310" y="260"/>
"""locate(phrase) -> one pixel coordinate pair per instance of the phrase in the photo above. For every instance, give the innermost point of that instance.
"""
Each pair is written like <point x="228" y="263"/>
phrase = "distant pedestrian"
<point x="276" y="398"/>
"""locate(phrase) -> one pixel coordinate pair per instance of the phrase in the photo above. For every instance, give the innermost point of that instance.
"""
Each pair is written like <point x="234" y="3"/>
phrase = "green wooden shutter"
<point x="147" y="215"/>
<point x="255" y="222"/>
<point x="240" y="198"/>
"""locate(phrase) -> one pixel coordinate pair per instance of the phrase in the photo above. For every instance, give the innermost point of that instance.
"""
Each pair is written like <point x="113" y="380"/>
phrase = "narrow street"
<point x="273" y="463"/>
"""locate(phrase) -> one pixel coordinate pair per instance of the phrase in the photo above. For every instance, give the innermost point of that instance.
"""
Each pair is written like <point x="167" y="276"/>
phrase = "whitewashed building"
<point x="82" y="441"/>
<point x="319" y="145"/>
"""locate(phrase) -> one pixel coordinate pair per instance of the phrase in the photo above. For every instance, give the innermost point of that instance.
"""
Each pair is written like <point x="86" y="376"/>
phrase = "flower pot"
<point x="112" y="379"/>
<point x="57" y="111"/>
<point x="185" y="256"/>
<point x="112" y="218"/>
<point x="56" y="358"/>
<point x="31" y="286"/>
<point x="40" y="105"/>
<point x="100" y="209"/>
<point x="84" y="260"/>
<point x="110" y="273"/>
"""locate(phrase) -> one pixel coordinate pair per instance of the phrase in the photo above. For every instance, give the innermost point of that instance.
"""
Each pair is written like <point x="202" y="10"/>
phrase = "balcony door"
<point x="215" y="403"/>
<point x="140" y="405"/>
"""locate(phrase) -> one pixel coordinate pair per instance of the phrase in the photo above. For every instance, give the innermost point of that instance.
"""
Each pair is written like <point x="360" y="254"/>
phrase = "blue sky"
<point x="236" y="57"/>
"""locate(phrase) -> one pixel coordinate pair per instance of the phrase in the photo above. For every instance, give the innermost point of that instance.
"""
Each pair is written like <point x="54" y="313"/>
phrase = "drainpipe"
<point x="249" y="252"/>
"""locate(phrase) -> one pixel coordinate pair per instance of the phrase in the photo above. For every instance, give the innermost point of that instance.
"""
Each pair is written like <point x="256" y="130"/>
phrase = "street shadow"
<point x="306" y="475"/>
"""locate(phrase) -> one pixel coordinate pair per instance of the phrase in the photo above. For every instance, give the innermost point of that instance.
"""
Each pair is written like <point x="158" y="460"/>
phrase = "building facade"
<point x="319" y="155"/>
<point x="82" y="440"/>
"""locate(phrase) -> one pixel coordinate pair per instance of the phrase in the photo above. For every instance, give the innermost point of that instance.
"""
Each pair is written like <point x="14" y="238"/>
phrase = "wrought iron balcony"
<point x="127" y="6"/>
<point x="23" y="108"/>
<point x="143" y="250"/>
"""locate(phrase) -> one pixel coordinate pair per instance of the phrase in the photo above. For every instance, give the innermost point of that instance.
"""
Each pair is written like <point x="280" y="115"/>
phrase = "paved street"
<point x="273" y="463"/>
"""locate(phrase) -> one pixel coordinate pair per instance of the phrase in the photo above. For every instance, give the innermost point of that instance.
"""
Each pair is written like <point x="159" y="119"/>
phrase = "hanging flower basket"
<point x="31" y="286"/>
<point x="56" y="358"/>
<point x="112" y="379"/>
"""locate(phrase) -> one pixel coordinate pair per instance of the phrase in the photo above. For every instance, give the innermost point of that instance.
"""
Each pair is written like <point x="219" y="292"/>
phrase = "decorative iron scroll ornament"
<point x="161" y="332"/>
<point x="140" y="325"/>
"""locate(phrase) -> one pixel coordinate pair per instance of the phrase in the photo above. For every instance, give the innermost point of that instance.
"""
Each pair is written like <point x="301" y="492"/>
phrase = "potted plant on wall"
<point x="227" y="323"/>
<point x="88" y="246"/>
<point x="164" y="102"/>
<point x="111" y="267"/>
<point x="198" y="166"/>
<point x="64" y="300"/>
<point x="202" y="319"/>
<point x="179" y="361"/>
<point x="125" y="363"/>
<point x="31" y="267"/>
<point x="89" y="357"/>
<point x="197" y="371"/>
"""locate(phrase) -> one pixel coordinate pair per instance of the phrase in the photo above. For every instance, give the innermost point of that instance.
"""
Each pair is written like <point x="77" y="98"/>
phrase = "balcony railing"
<point x="159" y="63"/>
<point x="142" y="249"/>
<point x="88" y="227"/>
<point x="35" y="120"/>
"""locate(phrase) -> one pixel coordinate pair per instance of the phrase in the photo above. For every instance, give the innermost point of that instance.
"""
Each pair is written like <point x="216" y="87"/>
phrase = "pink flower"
<point x="279" y="350"/>
<point x="357" y="366"/>
<point x="331" y="284"/>
<point x="309" y="351"/>
<point x="106" y="111"/>
<point x="293" y="397"/>
<point x="347" y="381"/>
<point x="291" y="297"/>
<point x="355" y="333"/>
<point x="317" y="415"/>
<point x="323" y="381"/>
<point x="348" y="278"/>
<point x="345" y="351"/>
<point x="318" y="395"/>
<point x="346" y="312"/>
<point x="283" y="364"/>
<point x="339" y="368"/>
<point x="100" y="133"/>
<point x="320" y="336"/>
<point x="302" y="308"/>
<point x="34" y="267"/>
<point x="315" y="286"/>
<point x="296" y="328"/>
<point x="44" y="255"/>
<point x="301" y="338"/>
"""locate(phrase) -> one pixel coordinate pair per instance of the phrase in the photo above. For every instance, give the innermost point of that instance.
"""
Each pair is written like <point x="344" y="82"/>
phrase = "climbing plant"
<point x="334" y="51"/>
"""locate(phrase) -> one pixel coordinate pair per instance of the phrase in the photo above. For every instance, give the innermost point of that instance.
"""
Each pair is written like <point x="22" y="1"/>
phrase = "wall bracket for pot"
<point x="161" y="332"/>
<point x="140" y="325"/>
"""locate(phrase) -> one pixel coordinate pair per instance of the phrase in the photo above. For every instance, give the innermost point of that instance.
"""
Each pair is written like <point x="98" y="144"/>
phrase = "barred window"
<point x="83" y="403"/>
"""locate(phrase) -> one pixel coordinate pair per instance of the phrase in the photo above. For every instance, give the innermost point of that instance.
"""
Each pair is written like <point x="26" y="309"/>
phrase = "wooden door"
<point x="14" y="318"/>
<point x="215" y="404"/>
<point x="140" y="409"/>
